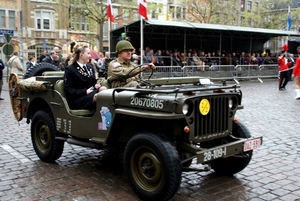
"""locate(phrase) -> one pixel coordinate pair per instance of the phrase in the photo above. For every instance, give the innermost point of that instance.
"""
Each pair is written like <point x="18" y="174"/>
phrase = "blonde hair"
<point x="77" y="49"/>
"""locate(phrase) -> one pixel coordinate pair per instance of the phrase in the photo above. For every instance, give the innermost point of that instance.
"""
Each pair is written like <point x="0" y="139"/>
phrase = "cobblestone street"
<point x="86" y="174"/>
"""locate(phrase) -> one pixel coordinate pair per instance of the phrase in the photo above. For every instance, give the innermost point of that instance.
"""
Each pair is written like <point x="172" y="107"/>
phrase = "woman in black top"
<point x="79" y="80"/>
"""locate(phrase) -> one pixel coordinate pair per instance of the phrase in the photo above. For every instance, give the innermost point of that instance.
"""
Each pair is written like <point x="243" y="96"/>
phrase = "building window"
<point x="242" y="20"/>
<point x="249" y="23"/>
<point x="242" y="5"/>
<point x="126" y="14"/>
<point x="172" y="11"/>
<point x="11" y="19"/>
<point x="2" y="19"/>
<point x="178" y="12"/>
<point x="43" y="20"/>
<point x="153" y="14"/>
<point x="233" y="22"/>
<point x="184" y="13"/>
<point x="80" y="23"/>
<point x="160" y="10"/>
<point x="114" y="26"/>
<point x="84" y="26"/>
<point x="249" y="6"/>
<point x="116" y="12"/>
<point x="135" y="15"/>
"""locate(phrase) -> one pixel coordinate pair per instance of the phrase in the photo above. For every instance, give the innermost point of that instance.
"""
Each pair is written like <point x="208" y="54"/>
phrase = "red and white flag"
<point x="143" y="8"/>
<point x="110" y="11"/>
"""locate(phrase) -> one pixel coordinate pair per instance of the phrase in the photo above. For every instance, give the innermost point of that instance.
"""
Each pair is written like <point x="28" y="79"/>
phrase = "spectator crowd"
<point x="201" y="58"/>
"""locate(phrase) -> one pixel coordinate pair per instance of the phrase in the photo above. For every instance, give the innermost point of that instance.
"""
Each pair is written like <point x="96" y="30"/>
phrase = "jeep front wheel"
<point x="153" y="166"/>
<point x="234" y="164"/>
<point x="43" y="135"/>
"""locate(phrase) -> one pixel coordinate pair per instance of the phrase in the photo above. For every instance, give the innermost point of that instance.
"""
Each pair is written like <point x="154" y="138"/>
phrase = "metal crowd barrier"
<point x="216" y="72"/>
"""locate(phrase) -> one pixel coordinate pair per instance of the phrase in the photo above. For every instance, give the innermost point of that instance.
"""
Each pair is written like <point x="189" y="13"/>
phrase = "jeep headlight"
<point x="185" y="109"/>
<point x="232" y="103"/>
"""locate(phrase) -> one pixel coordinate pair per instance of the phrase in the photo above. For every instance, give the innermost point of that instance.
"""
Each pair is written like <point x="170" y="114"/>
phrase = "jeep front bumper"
<point x="204" y="155"/>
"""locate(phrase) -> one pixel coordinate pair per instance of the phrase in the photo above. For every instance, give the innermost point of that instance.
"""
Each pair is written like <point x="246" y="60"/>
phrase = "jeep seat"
<point x="103" y="82"/>
<point x="54" y="73"/>
<point x="59" y="86"/>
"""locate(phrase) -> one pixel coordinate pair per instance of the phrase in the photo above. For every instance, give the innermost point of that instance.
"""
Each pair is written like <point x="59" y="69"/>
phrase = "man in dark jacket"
<point x="43" y="56"/>
<point x="52" y="59"/>
<point x="1" y="76"/>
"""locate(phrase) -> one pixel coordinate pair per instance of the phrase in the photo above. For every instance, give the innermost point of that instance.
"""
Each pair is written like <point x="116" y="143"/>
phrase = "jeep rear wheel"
<point x="43" y="135"/>
<point x="153" y="166"/>
<point x="234" y="164"/>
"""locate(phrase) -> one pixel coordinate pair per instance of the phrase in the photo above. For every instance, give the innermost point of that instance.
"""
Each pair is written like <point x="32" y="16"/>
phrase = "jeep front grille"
<point x="215" y="123"/>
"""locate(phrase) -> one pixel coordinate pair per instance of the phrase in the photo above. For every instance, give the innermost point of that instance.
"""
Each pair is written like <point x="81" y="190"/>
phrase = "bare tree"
<point x="208" y="11"/>
<point x="270" y="14"/>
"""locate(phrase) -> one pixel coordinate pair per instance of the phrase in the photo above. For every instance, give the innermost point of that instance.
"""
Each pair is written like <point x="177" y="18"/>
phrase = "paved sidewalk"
<point x="86" y="174"/>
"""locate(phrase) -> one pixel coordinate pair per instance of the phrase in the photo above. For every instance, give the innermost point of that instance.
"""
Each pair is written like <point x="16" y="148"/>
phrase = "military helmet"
<point x="123" y="45"/>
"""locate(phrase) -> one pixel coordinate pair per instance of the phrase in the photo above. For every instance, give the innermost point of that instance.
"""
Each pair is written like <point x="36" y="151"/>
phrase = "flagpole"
<point x="110" y="18"/>
<point x="289" y="23"/>
<point x="108" y="34"/>
<point x="142" y="39"/>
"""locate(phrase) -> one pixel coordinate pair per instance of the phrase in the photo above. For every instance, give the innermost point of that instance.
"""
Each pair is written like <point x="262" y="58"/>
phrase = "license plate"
<point x="252" y="144"/>
<point x="214" y="154"/>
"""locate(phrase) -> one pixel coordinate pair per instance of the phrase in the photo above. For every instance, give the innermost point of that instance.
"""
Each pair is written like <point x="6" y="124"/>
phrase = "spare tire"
<point x="39" y="68"/>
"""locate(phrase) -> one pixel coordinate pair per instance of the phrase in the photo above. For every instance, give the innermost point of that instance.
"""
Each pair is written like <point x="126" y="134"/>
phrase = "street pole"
<point x="21" y="43"/>
<point x="239" y="13"/>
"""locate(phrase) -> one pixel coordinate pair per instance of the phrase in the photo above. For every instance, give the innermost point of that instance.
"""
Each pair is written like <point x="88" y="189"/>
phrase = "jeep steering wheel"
<point x="138" y="66"/>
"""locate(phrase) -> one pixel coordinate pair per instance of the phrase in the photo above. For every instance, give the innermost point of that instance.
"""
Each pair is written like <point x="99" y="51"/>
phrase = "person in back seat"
<point x="79" y="80"/>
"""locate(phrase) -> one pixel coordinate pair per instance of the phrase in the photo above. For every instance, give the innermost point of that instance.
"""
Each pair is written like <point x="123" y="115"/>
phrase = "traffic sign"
<point x="7" y="49"/>
<point x="5" y="31"/>
<point x="8" y="37"/>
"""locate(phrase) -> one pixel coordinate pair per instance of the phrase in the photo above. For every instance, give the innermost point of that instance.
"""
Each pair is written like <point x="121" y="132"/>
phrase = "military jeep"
<point x="160" y="127"/>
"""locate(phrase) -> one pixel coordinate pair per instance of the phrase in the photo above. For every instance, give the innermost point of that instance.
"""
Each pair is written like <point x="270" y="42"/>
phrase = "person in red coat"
<point x="296" y="76"/>
<point x="283" y="70"/>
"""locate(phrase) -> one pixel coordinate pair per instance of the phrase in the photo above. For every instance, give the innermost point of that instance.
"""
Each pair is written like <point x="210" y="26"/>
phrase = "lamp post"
<point x="239" y="13"/>
<point x="21" y="43"/>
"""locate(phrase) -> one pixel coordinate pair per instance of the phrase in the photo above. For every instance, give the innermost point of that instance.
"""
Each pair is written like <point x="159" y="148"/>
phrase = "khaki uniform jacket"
<point x="15" y="65"/>
<point x="122" y="73"/>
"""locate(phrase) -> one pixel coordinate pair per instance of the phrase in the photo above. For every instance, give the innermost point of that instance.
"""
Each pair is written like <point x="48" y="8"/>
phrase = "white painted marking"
<point x="15" y="153"/>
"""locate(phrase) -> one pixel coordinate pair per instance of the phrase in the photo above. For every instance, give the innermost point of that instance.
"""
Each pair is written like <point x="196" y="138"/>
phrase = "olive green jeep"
<point x="161" y="126"/>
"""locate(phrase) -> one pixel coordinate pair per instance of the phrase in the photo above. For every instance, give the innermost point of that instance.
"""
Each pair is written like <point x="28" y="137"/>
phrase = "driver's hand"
<point x="151" y="66"/>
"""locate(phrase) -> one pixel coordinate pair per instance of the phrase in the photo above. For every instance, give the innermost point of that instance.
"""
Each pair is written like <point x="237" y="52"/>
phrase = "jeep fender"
<point x="128" y="122"/>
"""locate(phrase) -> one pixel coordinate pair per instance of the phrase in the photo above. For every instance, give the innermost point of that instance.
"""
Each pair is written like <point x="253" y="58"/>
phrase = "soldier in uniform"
<point x="121" y="71"/>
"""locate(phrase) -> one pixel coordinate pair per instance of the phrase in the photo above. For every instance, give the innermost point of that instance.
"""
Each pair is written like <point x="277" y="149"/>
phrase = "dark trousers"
<point x="290" y="74"/>
<point x="283" y="79"/>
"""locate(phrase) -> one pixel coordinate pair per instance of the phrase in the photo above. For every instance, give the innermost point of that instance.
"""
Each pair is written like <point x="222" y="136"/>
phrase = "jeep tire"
<point x="153" y="166"/>
<point x="43" y="135"/>
<point x="234" y="164"/>
<point x="39" y="68"/>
